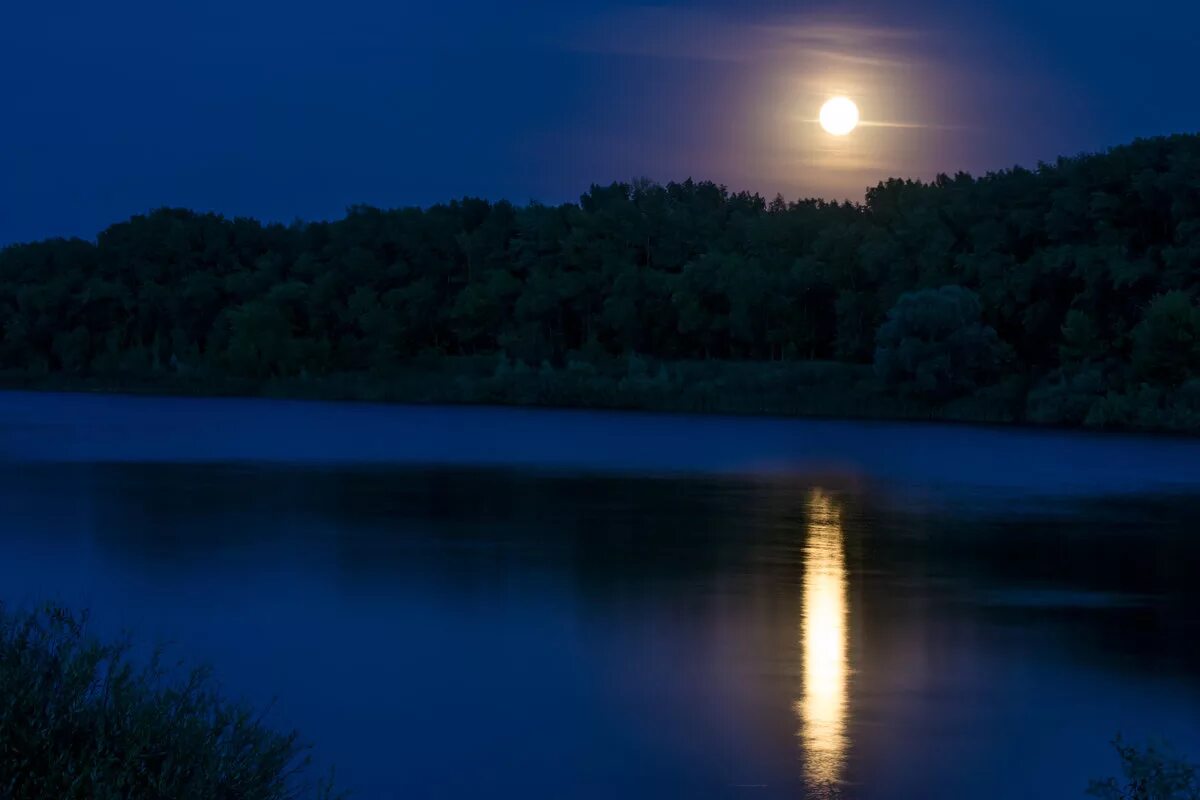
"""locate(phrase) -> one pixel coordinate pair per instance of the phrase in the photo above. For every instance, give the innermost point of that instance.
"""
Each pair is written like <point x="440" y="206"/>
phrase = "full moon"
<point x="839" y="116"/>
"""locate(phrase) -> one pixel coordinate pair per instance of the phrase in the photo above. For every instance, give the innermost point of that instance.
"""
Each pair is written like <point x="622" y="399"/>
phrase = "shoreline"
<point x="822" y="403"/>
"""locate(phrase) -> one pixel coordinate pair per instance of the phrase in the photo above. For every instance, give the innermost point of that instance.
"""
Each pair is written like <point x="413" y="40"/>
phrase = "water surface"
<point x="459" y="603"/>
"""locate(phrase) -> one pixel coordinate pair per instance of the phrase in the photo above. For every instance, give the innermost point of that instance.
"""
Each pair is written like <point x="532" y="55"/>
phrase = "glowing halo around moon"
<point x="839" y="116"/>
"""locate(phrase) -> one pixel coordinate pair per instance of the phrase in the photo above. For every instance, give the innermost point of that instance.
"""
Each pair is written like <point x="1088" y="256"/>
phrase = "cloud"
<point x="668" y="32"/>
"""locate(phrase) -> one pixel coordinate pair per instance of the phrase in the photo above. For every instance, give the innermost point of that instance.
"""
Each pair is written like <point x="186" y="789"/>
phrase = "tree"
<point x="260" y="343"/>
<point x="1166" y="343"/>
<point x="1081" y="340"/>
<point x="1085" y="267"/>
<point x="1150" y="772"/>
<point x="934" y="345"/>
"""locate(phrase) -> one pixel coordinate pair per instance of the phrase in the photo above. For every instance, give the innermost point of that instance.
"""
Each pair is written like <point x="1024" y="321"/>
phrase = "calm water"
<point x="467" y="603"/>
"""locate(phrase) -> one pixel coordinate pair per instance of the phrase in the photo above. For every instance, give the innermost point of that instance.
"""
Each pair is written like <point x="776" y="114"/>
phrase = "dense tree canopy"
<point x="933" y="344"/>
<point x="1077" y="280"/>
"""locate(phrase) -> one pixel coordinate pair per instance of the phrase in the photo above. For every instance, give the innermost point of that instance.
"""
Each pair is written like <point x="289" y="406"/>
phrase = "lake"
<point x="481" y="602"/>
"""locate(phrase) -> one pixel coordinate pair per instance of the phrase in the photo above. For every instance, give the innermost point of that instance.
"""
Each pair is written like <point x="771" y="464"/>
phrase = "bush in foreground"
<point x="79" y="720"/>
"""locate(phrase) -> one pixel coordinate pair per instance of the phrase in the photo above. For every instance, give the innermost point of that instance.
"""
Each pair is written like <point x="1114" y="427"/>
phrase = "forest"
<point x="1066" y="294"/>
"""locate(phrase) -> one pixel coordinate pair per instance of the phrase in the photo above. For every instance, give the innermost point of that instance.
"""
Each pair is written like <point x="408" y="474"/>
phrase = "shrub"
<point x="79" y="720"/>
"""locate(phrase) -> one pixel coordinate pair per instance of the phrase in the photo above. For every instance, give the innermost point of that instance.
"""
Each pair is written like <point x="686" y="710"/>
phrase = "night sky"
<point x="285" y="110"/>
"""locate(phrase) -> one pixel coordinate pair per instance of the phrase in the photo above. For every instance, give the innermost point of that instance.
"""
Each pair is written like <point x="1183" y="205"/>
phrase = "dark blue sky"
<point x="282" y="110"/>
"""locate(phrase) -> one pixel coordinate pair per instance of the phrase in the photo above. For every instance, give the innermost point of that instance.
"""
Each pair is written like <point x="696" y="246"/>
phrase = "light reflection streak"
<point x="822" y="709"/>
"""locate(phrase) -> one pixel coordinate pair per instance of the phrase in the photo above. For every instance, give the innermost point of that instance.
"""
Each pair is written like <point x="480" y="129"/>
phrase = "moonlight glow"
<point x="839" y="116"/>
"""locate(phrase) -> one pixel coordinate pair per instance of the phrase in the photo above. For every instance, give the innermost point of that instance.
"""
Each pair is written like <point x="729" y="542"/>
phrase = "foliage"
<point x="79" y="720"/>
<point x="933" y="344"/>
<point x="1066" y="397"/>
<point x="1086" y="271"/>
<point x="1166" y="343"/>
<point x="1153" y="772"/>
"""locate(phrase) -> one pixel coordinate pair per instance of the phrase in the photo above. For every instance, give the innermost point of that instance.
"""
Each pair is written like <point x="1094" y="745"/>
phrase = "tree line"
<point x="1074" y="284"/>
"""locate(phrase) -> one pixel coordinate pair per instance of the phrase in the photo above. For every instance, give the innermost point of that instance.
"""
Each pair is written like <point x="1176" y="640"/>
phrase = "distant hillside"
<point x="1064" y="294"/>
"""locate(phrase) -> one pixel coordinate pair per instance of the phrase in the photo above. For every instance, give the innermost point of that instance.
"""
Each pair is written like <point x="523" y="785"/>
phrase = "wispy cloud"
<point x="670" y="32"/>
<point x="819" y="53"/>
<point x="866" y="123"/>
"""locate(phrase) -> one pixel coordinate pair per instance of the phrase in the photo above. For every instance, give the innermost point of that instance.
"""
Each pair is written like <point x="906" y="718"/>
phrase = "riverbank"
<point x="798" y="389"/>
<point x="782" y="389"/>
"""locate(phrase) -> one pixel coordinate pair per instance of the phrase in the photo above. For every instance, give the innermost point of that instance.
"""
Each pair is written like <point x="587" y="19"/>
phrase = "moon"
<point x="839" y="116"/>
